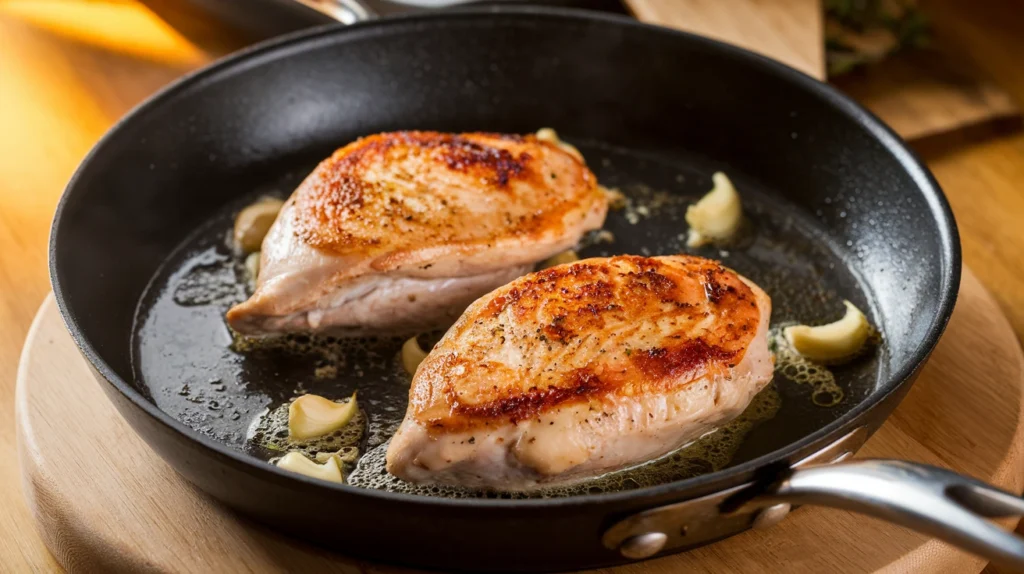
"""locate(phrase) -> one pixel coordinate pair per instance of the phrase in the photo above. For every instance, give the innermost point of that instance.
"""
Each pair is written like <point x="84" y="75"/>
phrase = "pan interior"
<point x="184" y="359"/>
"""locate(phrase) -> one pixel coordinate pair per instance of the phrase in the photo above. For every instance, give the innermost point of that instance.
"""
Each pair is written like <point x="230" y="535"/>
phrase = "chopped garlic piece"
<point x="297" y="462"/>
<point x="312" y="416"/>
<point x="567" y="256"/>
<point x="253" y="223"/>
<point x="832" y="343"/>
<point x="548" y="135"/>
<point x="717" y="215"/>
<point x="604" y="236"/>
<point x="412" y="355"/>
<point x="551" y="136"/>
<point x="252" y="265"/>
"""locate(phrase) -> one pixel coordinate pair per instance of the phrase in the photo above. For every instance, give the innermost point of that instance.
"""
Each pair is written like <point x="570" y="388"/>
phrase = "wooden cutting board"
<point x="788" y="30"/>
<point x="104" y="502"/>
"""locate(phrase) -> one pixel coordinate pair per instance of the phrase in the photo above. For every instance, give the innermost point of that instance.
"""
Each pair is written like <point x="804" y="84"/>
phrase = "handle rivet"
<point x="643" y="545"/>
<point x="771" y="515"/>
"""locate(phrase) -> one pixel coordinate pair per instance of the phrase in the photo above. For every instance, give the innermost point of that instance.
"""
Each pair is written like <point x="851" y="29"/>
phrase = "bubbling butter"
<point x="271" y="433"/>
<point x="825" y="391"/>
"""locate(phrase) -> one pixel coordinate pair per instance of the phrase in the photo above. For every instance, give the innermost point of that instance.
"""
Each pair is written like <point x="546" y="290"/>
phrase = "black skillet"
<point x="838" y="208"/>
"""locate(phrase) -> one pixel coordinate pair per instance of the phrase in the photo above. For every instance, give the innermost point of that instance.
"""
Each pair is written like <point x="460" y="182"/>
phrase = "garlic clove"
<point x="312" y="416"/>
<point x="412" y="355"/>
<point x="551" y="136"/>
<point x="834" y="342"/>
<point x="253" y="223"/>
<point x="548" y="135"/>
<point x="717" y="215"/>
<point x="616" y="199"/>
<point x="298" y="463"/>
<point x="252" y="267"/>
<point x="562" y="258"/>
<point x="252" y="264"/>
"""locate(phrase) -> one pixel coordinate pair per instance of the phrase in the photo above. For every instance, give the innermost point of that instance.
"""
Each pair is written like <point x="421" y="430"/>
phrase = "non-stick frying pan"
<point x="838" y="208"/>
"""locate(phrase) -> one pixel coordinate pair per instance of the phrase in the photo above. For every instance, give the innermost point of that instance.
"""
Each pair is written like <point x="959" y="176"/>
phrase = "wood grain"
<point x="70" y="68"/>
<point x="140" y="514"/>
<point x="930" y="94"/>
<point x="787" y="30"/>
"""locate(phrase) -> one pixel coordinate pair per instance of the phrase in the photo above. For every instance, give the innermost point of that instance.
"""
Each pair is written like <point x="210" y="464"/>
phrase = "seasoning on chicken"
<point x="399" y="232"/>
<point x="583" y="369"/>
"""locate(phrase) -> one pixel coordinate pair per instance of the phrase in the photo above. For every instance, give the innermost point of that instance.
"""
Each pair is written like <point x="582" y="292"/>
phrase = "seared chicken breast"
<point x="583" y="369"/>
<point x="399" y="232"/>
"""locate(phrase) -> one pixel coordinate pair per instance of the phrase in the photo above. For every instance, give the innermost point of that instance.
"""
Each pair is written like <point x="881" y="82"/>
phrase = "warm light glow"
<point x="60" y="89"/>
<point x="125" y="27"/>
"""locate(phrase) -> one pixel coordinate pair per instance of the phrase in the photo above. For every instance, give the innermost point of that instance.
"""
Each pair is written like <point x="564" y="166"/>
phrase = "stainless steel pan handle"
<point x="928" y="499"/>
<point x="931" y="500"/>
<point x="344" y="11"/>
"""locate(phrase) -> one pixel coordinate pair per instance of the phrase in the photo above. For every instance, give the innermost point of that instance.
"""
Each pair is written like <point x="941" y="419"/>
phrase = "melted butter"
<point x="790" y="365"/>
<point x="270" y="431"/>
<point x="709" y="453"/>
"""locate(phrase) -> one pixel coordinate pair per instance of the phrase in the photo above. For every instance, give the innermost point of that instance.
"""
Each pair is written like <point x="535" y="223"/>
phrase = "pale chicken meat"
<point x="583" y="369"/>
<point x="399" y="232"/>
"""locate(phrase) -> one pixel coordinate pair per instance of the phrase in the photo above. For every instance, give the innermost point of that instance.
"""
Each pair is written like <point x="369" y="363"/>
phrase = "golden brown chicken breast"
<point x="582" y="369"/>
<point x="401" y="231"/>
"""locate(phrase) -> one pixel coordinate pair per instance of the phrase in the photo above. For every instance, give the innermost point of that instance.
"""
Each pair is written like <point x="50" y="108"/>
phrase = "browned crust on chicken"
<point x="441" y="218"/>
<point x="661" y="323"/>
<point x="379" y="195"/>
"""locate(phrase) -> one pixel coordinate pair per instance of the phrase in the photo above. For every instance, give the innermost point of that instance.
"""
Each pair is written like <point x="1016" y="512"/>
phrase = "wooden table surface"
<point x="70" y="68"/>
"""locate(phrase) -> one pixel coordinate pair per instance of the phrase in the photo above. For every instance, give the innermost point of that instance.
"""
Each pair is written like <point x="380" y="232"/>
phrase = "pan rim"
<point x="283" y="46"/>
